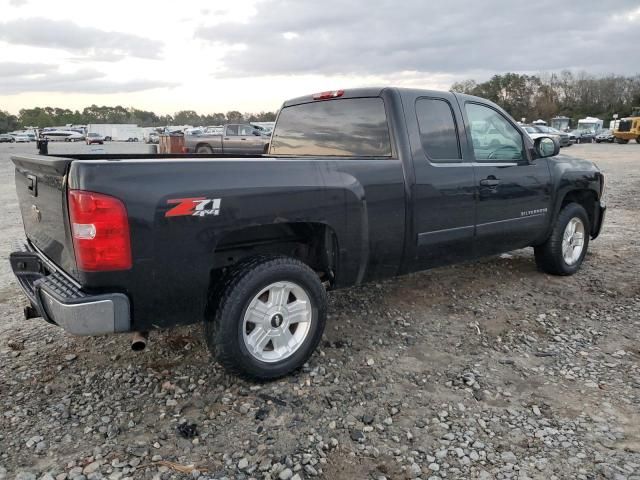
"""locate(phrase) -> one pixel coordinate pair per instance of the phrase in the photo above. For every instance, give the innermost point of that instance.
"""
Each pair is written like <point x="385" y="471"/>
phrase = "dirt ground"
<point x="483" y="370"/>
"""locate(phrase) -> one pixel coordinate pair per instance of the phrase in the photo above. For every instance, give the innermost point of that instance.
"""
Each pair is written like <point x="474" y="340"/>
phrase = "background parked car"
<point x="584" y="136"/>
<point x="153" y="138"/>
<point x="605" y="136"/>
<point x="535" y="131"/>
<point x="21" y="138"/>
<point x="4" y="138"/>
<point x="62" y="136"/>
<point x="562" y="136"/>
<point x="94" y="138"/>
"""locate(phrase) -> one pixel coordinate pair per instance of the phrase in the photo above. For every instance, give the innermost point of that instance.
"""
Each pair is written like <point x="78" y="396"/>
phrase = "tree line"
<point x="54" y="116"/>
<point x="574" y="95"/>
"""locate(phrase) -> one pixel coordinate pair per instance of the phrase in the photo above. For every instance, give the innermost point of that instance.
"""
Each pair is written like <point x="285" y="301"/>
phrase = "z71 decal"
<point x="193" y="207"/>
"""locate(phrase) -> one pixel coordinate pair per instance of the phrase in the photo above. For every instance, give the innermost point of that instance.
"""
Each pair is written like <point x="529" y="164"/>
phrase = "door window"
<point x="232" y="130"/>
<point x="246" y="130"/>
<point x="438" y="132"/>
<point x="494" y="138"/>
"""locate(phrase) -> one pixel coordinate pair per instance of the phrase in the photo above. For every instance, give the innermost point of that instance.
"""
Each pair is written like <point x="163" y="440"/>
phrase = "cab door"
<point x="444" y="186"/>
<point x="251" y="142"/>
<point x="513" y="192"/>
<point x="231" y="140"/>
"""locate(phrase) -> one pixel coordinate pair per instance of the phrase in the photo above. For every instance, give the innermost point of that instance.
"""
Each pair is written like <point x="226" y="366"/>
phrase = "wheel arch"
<point x="202" y="144"/>
<point x="313" y="243"/>
<point x="586" y="197"/>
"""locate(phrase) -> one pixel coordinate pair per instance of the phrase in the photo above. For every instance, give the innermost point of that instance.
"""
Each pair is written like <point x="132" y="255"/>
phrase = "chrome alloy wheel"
<point x="573" y="241"/>
<point x="277" y="321"/>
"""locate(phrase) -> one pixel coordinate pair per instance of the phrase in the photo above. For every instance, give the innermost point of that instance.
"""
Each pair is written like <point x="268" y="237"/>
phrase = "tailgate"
<point x="41" y="189"/>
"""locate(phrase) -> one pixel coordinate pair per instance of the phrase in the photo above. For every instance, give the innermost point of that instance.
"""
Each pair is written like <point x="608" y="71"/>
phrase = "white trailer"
<point x="117" y="132"/>
<point x="590" y="124"/>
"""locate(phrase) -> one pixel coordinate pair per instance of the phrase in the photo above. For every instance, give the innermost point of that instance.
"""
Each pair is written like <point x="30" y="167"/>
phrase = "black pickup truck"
<point x="358" y="185"/>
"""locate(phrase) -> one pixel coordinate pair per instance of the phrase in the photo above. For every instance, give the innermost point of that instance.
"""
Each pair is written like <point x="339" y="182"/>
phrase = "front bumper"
<point x="59" y="300"/>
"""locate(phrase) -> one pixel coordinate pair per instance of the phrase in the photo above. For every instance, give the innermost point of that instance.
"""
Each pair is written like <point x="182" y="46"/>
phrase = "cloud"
<point x="22" y="78"/>
<point x="16" y="69"/>
<point x="297" y="37"/>
<point x="66" y="35"/>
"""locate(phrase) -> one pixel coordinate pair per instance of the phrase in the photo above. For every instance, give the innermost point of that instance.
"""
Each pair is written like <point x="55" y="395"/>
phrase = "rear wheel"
<point x="205" y="149"/>
<point x="269" y="317"/>
<point x="566" y="247"/>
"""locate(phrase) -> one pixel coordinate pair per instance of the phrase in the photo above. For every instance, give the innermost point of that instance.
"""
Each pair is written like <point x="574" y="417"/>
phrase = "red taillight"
<point x="100" y="231"/>
<point x="327" y="95"/>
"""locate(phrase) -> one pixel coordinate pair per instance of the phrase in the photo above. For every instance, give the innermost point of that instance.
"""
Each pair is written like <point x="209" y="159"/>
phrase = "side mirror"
<point x="546" y="147"/>
<point x="256" y="133"/>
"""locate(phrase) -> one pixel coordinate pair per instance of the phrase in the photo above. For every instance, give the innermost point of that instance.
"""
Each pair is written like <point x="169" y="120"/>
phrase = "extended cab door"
<point x="443" y="190"/>
<point x="513" y="191"/>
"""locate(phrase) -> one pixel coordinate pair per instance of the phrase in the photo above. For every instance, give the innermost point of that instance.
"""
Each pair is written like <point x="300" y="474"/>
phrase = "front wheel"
<point x="269" y="317"/>
<point x="566" y="247"/>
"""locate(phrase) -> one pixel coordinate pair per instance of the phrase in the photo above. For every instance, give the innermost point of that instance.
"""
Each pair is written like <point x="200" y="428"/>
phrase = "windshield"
<point x="588" y="126"/>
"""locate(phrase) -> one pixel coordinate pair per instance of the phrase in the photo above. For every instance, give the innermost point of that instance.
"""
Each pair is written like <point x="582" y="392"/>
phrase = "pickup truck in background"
<point x="238" y="139"/>
<point x="358" y="185"/>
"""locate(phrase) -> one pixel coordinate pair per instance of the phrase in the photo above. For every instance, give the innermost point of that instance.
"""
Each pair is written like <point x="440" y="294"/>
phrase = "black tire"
<point x="549" y="256"/>
<point x="204" y="149"/>
<point x="230" y="300"/>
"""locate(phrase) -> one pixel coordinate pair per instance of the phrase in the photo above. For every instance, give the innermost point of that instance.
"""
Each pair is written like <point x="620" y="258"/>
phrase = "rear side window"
<point x="438" y="133"/>
<point x="353" y="127"/>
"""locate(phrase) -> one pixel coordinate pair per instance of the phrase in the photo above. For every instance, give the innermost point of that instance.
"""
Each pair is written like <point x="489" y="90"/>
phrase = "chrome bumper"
<point x="59" y="300"/>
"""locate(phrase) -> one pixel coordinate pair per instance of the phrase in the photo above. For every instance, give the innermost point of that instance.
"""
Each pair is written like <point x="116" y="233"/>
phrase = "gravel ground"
<point x="483" y="370"/>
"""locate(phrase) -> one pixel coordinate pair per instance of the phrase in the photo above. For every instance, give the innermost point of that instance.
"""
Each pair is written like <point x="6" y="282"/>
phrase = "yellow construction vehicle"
<point x="629" y="128"/>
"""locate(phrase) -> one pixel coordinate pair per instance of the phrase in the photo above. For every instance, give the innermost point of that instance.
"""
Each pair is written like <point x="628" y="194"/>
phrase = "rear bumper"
<point x="59" y="300"/>
<point x="600" y="212"/>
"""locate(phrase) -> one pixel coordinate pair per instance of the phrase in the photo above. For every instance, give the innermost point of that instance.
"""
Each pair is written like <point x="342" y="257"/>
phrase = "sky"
<point x="251" y="55"/>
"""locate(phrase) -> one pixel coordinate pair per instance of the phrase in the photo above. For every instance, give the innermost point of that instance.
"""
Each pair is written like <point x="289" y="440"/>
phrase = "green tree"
<point x="8" y="122"/>
<point x="234" y="117"/>
<point x="187" y="117"/>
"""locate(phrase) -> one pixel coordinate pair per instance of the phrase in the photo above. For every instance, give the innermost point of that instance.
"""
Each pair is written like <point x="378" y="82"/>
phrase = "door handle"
<point x="243" y="139"/>
<point x="490" y="182"/>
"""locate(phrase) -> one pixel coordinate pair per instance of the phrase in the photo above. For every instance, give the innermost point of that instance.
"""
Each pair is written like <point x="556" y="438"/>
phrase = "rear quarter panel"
<point x="361" y="200"/>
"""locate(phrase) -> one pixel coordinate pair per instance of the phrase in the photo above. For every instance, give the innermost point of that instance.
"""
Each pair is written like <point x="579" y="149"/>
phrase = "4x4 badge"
<point x="194" y="207"/>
